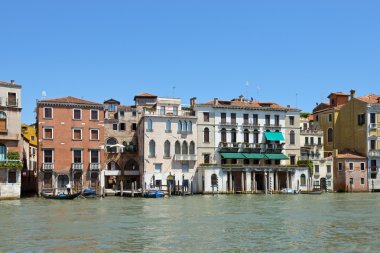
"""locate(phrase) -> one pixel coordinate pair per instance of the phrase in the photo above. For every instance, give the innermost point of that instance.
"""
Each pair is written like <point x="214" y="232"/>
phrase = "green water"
<point x="238" y="223"/>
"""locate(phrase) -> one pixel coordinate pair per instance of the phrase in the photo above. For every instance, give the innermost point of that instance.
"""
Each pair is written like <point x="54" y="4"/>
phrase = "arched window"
<point x="214" y="180"/>
<point x="206" y="135"/>
<point x="192" y="148"/>
<point x="303" y="180"/>
<point x="292" y="137"/>
<point x="152" y="149"/>
<point x="179" y="126"/>
<point x="177" y="148"/>
<point x="184" y="125"/>
<point x="246" y="135"/>
<point x="190" y="126"/>
<point x="233" y="135"/>
<point x="3" y="152"/>
<point x="255" y="136"/>
<point x="111" y="142"/>
<point x="167" y="149"/>
<point x="168" y="126"/>
<point x="185" y="149"/>
<point x="132" y="165"/>
<point x="223" y="135"/>
<point x="3" y="121"/>
<point x="330" y="135"/>
<point x="150" y="125"/>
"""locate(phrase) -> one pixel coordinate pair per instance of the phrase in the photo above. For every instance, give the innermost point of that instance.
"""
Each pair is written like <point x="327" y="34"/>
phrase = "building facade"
<point x="167" y="143"/>
<point x="248" y="146"/>
<point x="10" y="140"/>
<point x="70" y="144"/>
<point x="29" y="150"/>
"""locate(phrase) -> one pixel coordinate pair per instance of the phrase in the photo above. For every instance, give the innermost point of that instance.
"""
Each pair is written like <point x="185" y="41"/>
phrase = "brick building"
<point x="70" y="142"/>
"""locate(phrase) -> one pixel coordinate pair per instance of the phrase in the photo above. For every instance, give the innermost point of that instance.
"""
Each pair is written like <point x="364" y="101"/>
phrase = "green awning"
<point x="274" y="136"/>
<point x="232" y="155"/>
<point x="253" y="156"/>
<point x="276" y="156"/>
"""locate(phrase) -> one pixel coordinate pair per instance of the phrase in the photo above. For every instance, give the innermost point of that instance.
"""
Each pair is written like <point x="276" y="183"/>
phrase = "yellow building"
<point x="29" y="133"/>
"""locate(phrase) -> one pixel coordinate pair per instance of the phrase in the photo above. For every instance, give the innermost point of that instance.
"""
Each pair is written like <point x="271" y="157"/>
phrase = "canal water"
<point x="224" y="223"/>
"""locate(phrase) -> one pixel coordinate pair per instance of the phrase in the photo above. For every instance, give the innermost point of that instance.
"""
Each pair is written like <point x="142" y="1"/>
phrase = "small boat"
<point x="288" y="191"/>
<point x="61" y="196"/>
<point x="312" y="192"/>
<point x="154" y="194"/>
<point x="89" y="193"/>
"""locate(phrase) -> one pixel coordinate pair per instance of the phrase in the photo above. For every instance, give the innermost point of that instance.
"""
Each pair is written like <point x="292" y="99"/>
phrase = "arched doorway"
<point x="62" y="181"/>
<point x="323" y="184"/>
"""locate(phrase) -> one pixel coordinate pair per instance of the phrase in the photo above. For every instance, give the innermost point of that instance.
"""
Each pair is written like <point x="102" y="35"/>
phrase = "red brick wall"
<point x="342" y="178"/>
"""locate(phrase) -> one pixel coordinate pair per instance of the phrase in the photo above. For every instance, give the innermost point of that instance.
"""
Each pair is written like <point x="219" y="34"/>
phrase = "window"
<point x="206" y="158"/>
<point x="303" y="180"/>
<point x="319" y="141"/>
<point x="185" y="167"/>
<point x="351" y="165"/>
<point x="277" y="120"/>
<point x="177" y="148"/>
<point x="256" y="136"/>
<point x="94" y="156"/>
<point x="12" y="177"/>
<point x="223" y="117"/>
<point x="245" y="117"/>
<point x="292" y="160"/>
<point x="330" y="135"/>
<point x="246" y="135"/>
<point x="121" y="114"/>
<point x="167" y="149"/>
<point x="77" y="134"/>
<point x="48" y="133"/>
<point x="179" y="126"/>
<point x="255" y="119"/>
<point x="77" y="156"/>
<point x="233" y="135"/>
<point x="192" y="148"/>
<point x="185" y="149"/>
<point x="340" y="166"/>
<point x="112" y="107"/>
<point x="134" y="113"/>
<point x="157" y="167"/>
<point x="48" y="155"/>
<point x="12" y="101"/>
<point x="223" y="135"/>
<point x="311" y="140"/>
<point x="372" y="117"/>
<point x="3" y="121"/>
<point x="328" y="168"/>
<point x="316" y="168"/>
<point x="48" y="113"/>
<point x="77" y="114"/>
<point x="184" y="126"/>
<point x="317" y="118"/>
<point x="214" y="180"/>
<point x="361" y="119"/>
<point x="306" y="140"/>
<point x="152" y="149"/>
<point x="94" y="115"/>
<point x="351" y="181"/>
<point x="150" y="125"/>
<point x="114" y="127"/>
<point x="162" y="110"/>
<point x="175" y="110"/>
<point x="292" y="137"/>
<point x="373" y="144"/>
<point x="189" y="127"/>
<point x="134" y="126"/>
<point x="362" y="180"/>
<point x="94" y="134"/>
<point x="122" y="127"/>
<point x="206" y="135"/>
<point x="233" y="118"/>
<point x="206" y="116"/>
<point x="3" y="152"/>
<point x="330" y="117"/>
<point x="362" y="166"/>
<point x="267" y="120"/>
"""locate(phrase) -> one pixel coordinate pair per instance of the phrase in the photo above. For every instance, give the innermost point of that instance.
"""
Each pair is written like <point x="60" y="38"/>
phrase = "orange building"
<point x="70" y="142"/>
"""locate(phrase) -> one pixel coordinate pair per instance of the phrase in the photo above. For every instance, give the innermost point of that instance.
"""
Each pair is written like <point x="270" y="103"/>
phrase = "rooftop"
<point x="370" y="98"/>
<point x="349" y="155"/>
<point x="68" y="100"/>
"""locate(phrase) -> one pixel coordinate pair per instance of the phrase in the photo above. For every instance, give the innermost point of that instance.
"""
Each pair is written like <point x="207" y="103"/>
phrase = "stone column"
<point x="287" y="179"/>
<point x="230" y="185"/>
<point x="242" y="182"/>
<point x="254" y="182"/>
<point x="277" y="182"/>
<point x="248" y="181"/>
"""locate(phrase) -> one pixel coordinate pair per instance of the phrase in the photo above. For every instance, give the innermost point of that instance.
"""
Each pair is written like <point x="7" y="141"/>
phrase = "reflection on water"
<point x="299" y="223"/>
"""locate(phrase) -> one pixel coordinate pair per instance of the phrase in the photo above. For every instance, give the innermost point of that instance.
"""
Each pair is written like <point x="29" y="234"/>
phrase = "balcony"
<point x="251" y="125"/>
<point x="228" y="146"/>
<point x="9" y="102"/>
<point x="251" y="147"/>
<point x="312" y="132"/>
<point x="225" y="124"/>
<point x="94" y="166"/>
<point x="77" y="166"/>
<point x="180" y="157"/>
<point x="47" y="166"/>
<point x="374" y="153"/>
<point x="272" y="149"/>
<point x="373" y="126"/>
<point x="158" y="112"/>
<point x="273" y="126"/>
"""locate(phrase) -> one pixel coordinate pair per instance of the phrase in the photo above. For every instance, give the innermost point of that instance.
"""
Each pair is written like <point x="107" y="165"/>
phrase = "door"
<point x="323" y="184"/>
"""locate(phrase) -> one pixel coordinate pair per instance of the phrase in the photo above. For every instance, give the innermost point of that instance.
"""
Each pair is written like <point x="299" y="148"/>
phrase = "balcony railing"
<point x="180" y="157"/>
<point x="374" y="153"/>
<point x="251" y="125"/>
<point x="182" y="113"/>
<point x="94" y="166"/>
<point x="272" y="126"/>
<point x="9" y="102"/>
<point x="312" y="132"/>
<point x="374" y="126"/>
<point x="250" y="147"/>
<point x="77" y="166"/>
<point x="48" y="166"/>
<point x="227" y="124"/>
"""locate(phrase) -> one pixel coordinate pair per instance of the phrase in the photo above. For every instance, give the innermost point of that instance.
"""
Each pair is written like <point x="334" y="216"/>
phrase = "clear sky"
<point x="290" y="52"/>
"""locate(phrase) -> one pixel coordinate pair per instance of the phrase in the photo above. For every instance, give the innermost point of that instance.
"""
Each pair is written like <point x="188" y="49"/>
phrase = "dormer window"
<point x="112" y="107"/>
<point x="332" y="101"/>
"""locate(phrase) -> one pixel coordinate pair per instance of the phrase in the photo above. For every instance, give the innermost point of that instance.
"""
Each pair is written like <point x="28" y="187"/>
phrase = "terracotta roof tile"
<point x="338" y="93"/>
<point x="248" y="104"/>
<point x="69" y="100"/>
<point x="349" y="155"/>
<point x="370" y="98"/>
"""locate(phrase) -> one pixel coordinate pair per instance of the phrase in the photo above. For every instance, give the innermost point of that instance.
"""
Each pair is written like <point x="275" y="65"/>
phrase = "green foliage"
<point x="11" y="165"/>
<point x="207" y="164"/>
<point x="304" y="114"/>
<point x="306" y="163"/>
<point x="13" y="156"/>
<point x="232" y="165"/>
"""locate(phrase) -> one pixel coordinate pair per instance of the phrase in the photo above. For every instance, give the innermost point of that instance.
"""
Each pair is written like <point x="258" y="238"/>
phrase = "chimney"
<point x="241" y="98"/>
<point x="12" y="82"/>
<point x="193" y="102"/>
<point x="215" y="101"/>
<point x="352" y="92"/>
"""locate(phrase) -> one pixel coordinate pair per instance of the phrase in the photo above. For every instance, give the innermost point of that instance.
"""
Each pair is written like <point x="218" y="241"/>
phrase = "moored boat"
<point x="154" y="194"/>
<point x="312" y="192"/>
<point x="89" y="193"/>
<point x="61" y="196"/>
<point x="288" y="191"/>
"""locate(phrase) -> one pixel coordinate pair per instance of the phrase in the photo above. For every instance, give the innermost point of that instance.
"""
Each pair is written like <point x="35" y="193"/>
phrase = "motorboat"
<point x="288" y="191"/>
<point x="154" y="193"/>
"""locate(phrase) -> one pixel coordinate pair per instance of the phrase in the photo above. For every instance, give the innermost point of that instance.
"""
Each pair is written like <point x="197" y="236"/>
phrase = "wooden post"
<point x="121" y="188"/>
<point x="133" y="189"/>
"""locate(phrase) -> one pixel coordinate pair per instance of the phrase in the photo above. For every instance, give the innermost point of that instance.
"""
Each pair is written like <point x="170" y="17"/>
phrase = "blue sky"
<point x="296" y="52"/>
